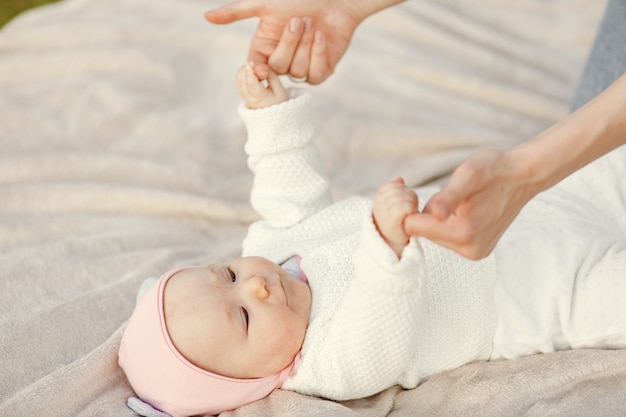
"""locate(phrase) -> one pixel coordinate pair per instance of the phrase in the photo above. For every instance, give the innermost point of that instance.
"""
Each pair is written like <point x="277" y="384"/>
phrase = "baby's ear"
<point x="144" y="409"/>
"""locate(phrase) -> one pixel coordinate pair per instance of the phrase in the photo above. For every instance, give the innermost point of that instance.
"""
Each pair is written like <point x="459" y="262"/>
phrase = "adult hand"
<point x="470" y="214"/>
<point x="302" y="38"/>
<point x="488" y="190"/>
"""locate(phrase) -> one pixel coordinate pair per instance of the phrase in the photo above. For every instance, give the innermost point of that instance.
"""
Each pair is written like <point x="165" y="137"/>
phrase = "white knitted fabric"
<point x="562" y="266"/>
<point x="376" y="321"/>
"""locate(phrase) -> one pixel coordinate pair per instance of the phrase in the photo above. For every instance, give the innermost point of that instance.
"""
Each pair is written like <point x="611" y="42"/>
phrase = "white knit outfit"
<point x="376" y="321"/>
<point x="562" y="266"/>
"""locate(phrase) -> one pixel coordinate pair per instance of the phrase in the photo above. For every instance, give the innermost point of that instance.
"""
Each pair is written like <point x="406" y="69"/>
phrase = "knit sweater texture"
<point x="376" y="320"/>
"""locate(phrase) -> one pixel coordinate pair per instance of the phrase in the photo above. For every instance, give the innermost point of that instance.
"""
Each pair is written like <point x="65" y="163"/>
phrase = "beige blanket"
<point x="121" y="157"/>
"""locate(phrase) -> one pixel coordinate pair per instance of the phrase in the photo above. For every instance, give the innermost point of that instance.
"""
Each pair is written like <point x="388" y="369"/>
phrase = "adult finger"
<point x="300" y="64"/>
<point x="262" y="71"/>
<point x="256" y="56"/>
<point x="233" y="11"/>
<point x="461" y="185"/>
<point x="424" y="225"/>
<point x="430" y="227"/>
<point x="450" y="233"/>
<point x="282" y="56"/>
<point x="319" y="69"/>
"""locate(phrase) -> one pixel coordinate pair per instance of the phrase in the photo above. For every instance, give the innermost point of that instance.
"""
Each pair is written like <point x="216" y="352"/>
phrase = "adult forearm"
<point x="592" y="131"/>
<point x="488" y="190"/>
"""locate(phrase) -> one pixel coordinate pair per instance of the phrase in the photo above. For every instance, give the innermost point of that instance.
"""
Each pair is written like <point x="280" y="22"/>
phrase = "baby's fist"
<point x="394" y="201"/>
<point x="259" y="86"/>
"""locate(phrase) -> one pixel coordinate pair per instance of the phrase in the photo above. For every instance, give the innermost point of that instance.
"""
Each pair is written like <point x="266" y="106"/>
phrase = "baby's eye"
<point x="232" y="275"/>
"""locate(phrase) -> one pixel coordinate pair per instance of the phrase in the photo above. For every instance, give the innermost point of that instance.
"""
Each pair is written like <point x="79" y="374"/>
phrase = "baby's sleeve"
<point x="366" y="346"/>
<point x="289" y="183"/>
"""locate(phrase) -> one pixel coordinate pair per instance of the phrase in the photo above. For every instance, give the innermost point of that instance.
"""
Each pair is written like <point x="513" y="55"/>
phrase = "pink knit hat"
<point x="163" y="378"/>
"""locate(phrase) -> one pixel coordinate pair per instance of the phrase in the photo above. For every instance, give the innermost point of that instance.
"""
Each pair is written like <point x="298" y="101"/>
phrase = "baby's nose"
<point x="257" y="287"/>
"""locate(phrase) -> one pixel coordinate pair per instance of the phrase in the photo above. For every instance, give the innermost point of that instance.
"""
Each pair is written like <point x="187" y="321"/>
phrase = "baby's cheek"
<point x="282" y="341"/>
<point x="290" y="332"/>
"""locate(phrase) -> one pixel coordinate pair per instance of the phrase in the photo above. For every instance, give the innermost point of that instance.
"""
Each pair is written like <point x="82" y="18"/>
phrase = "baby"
<point x="336" y="300"/>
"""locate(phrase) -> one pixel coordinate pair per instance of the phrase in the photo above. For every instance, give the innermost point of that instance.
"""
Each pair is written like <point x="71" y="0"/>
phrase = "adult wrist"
<point x="528" y="170"/>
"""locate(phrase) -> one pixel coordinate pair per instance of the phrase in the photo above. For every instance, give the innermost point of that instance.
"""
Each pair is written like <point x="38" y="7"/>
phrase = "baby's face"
<point x="246" y="319"/>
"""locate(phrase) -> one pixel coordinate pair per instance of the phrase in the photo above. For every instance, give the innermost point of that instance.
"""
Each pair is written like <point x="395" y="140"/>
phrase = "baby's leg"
<point x="562" y="268"/>
<point x="598" y="306"/>
<point x="598" y="313"/>
<point x="600" y="189"/>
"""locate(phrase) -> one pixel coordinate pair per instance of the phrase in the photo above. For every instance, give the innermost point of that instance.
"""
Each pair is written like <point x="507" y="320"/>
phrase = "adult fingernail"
<point x="294" y="24"/>
<point x="308" y="24"/>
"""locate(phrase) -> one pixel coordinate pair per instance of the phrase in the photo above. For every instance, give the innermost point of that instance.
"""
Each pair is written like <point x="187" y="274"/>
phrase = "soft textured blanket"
<point x="121" y="157"/>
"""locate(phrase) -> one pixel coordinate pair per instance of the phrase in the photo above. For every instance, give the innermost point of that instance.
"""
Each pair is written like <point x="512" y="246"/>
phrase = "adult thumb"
<point x="422" y="225"/>
<point x="446" y="201"/>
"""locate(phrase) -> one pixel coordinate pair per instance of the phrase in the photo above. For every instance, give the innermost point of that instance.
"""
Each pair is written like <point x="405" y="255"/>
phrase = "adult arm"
<point x="314" y="45"/>
<point x="488" y="190"/>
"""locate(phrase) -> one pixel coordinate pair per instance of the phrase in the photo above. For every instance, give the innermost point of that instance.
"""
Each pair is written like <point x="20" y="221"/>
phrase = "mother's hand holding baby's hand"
<point x="302" y="38"/>
<point x="251" y="87"/>
<point x="470" y="214"/>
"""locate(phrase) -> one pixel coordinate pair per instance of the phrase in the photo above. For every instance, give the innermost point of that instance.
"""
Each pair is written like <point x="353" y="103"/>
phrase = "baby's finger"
<point x="251" y="78"/>
<point x="280" y="59"/>
<point x="300" y="62"/>
<point x="277" y="88"/>
<point x="240" y="79"/>
<point x="253" y="84"/>
<point x="406" y="199"/>
<point x="393" y="186"/>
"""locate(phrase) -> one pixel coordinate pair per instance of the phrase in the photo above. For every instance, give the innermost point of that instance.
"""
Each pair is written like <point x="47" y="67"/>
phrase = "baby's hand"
<point x="394" y="201"/>
<point x="254" y="92"/>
